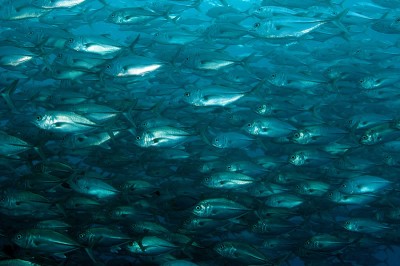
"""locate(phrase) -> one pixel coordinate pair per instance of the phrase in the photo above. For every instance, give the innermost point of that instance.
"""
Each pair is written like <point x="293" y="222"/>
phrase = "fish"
<point x="269" y="127"/>
<point x="192" y="132"/>
<point x="46" y="241"/>
<point x="291" y="26"/>
<point x="63" y="122"/>
<point x="219" y="208"/>
<point x="227" y="180"/>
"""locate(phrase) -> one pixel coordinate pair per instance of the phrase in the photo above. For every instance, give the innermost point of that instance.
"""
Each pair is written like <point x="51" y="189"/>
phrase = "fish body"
<point x="162" y="137"/>
<point x="63" y="122"/>
<point x="92" y="186"/>
<point x="364" y="184"/>
<point x="269" y="127"/>
<point x="45" y="240"/>
<point x="228" y="180"/>
<point x="10" y="145"/>
<point x="219" y="208"/>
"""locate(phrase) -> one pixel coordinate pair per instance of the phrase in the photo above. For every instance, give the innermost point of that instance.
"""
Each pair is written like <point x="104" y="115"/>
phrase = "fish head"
<point x="142" y="140"/>
<point x="161" y="37"/>
<point x="21" y="238"/>
<point x="302" y="188"/>
<point x="367" y="82"/>
<point x="83" y="236"/>
<point x="256" y="27"/>
<point x="74" y="141"/>
<point x="202" y="209"/>
<point x="263" y="109"/>
<point x="112" y="69"/>
<point x="43" y="121"/>
<point x="297" y="158"/>
<point x="5" y="200"/>
<point x="312" y="244"/>
<point x="192" y="97"/>
<point x="73" y="43"/>
<point x="220" y="141"/>
<point x="233" y="167"/>
<point x="220" y="248"/>
<point x="134" y="247"/>
<point x="252" y="128"/>
<point x="115" y="17"/>
<point x="300" y="136"/>
<point x="389" y="160"/>
<point x="369" y="138"/>
<point x="207" y="181"/>
<point x="262" y="11"/>
<point x="350" y="225"/>
<point x="260" y="227"/>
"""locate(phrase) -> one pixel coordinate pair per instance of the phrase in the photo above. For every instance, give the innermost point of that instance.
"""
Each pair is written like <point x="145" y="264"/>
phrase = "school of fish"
<point x="199" y="132"/>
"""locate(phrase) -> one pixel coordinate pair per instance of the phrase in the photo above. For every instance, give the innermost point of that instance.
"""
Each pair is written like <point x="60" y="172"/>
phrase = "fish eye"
<point x="187" y="94"/>
<point x="365" y="137"/>
<point x="71" y="40"/>
<point x="19" y="236"/>
<point x="113" y="15"/>
<point x="344" y="185"/>
<point x="216" y="140"/>
<point x="273" y="76"/>
<point x="249" y="125"/>
<point x="108" y="66"/>
<point x="257" y="24"/>
<point x="229" y="167"/>
<point x="137" y="137"/>
<point x="361" y="81"/>
<point x="293" y="157"/>
<point x="198" y="208"/>
<point x="81" y="235"/>
<point x="206" y="179"/>
<point x="296" y="135"/>
<point x="39" y="117"/>
<point x="59" y="55"/>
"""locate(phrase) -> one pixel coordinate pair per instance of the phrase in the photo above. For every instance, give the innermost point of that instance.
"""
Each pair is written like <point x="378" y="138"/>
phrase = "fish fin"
<point x="203" y="135"/>
<point x="60" y="255"/>
<point x="89" y="251"/>
<point x="39" y="151"/>
<point x="104" y="146"/>
<point x="141" y="245"/>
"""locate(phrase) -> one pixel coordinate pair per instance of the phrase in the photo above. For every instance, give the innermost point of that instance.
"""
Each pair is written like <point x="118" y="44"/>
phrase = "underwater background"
<point x="199" y="132"/>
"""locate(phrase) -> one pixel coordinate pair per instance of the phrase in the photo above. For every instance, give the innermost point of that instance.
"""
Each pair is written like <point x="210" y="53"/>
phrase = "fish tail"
<point x="245" y="61"/>
<point x="337" y="20"/>
<point x="133" y="44"/>
<point x="6" y="94"/>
